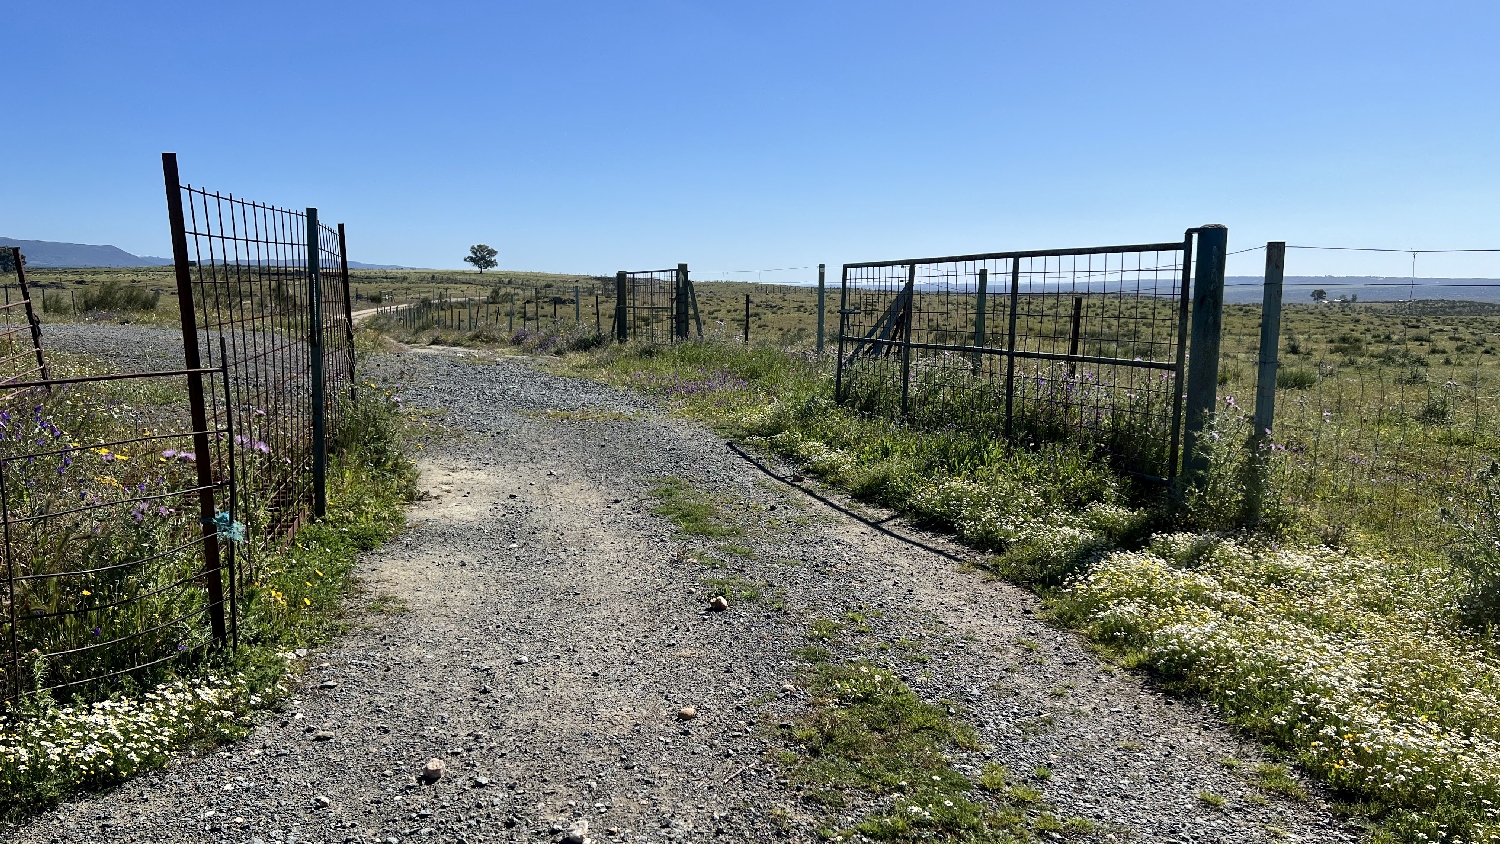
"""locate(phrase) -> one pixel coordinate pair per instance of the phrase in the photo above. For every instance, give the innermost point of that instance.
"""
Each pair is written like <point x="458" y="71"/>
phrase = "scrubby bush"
<point x="1295" y="378"/>
<point x="1476" y="552"/>
<point x="114" y="296"/>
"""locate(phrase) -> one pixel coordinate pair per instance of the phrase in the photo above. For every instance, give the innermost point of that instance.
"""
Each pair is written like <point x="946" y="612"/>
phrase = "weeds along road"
<point x="553" y="627"/>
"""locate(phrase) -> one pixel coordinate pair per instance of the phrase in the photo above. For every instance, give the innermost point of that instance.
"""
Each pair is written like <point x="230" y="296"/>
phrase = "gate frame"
<point x="1199" y="322"/>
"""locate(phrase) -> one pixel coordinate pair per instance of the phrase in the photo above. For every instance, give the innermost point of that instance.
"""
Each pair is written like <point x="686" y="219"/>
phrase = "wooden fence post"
<point x="820" y="308"/>
<point x="1265" y="375"/>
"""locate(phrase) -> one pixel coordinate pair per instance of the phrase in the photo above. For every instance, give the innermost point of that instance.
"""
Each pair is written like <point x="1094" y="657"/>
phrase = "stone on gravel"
<point x="719" y="603"/>
<point x="321" y="801"/>
<point x="433" y="770"/>
<point x="576" y="833"/>
<point x="687" y="713"/>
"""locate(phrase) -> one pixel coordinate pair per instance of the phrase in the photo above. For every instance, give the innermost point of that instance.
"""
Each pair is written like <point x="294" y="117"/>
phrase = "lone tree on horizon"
<point x="481" y="256"/>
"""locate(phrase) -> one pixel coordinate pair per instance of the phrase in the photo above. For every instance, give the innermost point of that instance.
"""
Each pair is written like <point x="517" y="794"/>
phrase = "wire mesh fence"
<point x="122" y="495"/>
<point x="1076" y="344"/>
<point x="1386" y="412"/>
<point x="110" y="569"/>
<point x="505" y="309"/>
<point x="784" y="315"/>
<point x="269" y="287"/>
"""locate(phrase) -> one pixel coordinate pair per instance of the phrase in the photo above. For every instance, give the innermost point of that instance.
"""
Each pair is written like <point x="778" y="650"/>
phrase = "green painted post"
<point x="622" y="334"/>
<point x="820" y="308"/>
<point x="911" y="307"/>
<point x="315" y="354"/>
<point x="680" y="304"/>
<point x="1203" y="348"/>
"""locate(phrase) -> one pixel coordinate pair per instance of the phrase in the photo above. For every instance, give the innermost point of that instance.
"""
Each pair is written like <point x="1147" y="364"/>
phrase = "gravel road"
<point x="554" y="627"/>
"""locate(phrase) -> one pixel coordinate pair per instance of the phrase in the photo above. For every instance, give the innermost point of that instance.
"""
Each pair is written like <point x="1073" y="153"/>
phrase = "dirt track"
<point x="554" y="626"/>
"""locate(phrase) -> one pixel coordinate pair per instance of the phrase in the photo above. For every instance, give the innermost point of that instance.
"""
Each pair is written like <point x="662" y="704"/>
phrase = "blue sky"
<point x="590" y="137"/>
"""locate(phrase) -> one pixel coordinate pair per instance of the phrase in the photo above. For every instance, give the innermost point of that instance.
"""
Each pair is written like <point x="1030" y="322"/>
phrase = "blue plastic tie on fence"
<point x="229" y="529"/>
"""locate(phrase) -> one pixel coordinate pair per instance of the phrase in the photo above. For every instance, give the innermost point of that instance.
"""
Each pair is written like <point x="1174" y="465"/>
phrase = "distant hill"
<point x="50" y="254"/>
<point x="46" y="253"/>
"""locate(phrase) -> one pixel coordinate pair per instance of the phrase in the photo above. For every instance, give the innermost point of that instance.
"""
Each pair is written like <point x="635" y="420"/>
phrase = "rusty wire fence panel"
<point x="1083" y="345"/>
<point x="21" y="355"/>
<point x="110" y="569"/>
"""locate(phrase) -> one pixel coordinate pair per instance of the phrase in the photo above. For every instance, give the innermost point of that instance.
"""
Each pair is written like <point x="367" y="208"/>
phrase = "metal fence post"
<point x="1010" y="348"/>
<point x="622" y="334"/>
<point x="577" y="306"/>
<point x="680" y="304"/>
<point x="1203" y="352"/>
<point x="1265" y="374"/>
<point x="980" y="299"/>
<point x="315" y="356"/>
<point x="820" y="308"/>
<point x="838" y="369"/>
<point x="1073" y="335"/>
<point x="747" y="319"/>
<point x="198" y="408"/>
<point x="911" y="306"/>
<point x="348" y="308"/>
<point x="31" y="319"/>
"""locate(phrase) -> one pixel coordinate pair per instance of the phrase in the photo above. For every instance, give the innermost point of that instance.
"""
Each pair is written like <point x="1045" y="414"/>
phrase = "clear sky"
<point x="595" y="136"/>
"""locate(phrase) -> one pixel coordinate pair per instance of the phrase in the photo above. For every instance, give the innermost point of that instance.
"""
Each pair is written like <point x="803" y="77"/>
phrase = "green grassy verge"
<point x="52" y="747"/>
<point x="1359" y="665"/>
<point x="867" y="734"/>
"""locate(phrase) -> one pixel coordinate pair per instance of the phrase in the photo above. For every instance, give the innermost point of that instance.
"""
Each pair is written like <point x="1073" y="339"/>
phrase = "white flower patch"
<point x="111" y="739"/>
<point x="1350" y="659"/>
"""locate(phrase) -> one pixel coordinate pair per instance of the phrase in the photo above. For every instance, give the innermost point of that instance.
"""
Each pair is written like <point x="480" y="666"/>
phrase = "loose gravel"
<point x="554" y="627"/>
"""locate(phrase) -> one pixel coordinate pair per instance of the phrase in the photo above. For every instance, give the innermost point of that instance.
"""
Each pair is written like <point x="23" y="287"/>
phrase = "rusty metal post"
<point x="622" y="334"/>
<point x="198" y="408"/>
<point x="1203" y="356"/>
<point x="31" y="317"/>
<point x="10" y="586"/>
<point x="315" y="356"/>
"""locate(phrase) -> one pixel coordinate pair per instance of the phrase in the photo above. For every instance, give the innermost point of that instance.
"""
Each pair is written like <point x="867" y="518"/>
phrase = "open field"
<point x="1349" y="631"/>
<point x="65" y="289"/>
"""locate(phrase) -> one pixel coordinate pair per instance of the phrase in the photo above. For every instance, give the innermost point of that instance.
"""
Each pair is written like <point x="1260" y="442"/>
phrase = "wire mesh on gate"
<point x="249" y="284"/>
<point x="109" y="567"/>
<point x="650" y="302"/>
<point x="1075" y="344"/>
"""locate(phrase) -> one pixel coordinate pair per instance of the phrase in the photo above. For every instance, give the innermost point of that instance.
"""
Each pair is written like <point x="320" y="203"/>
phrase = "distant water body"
<point x="1243" y="289"/>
